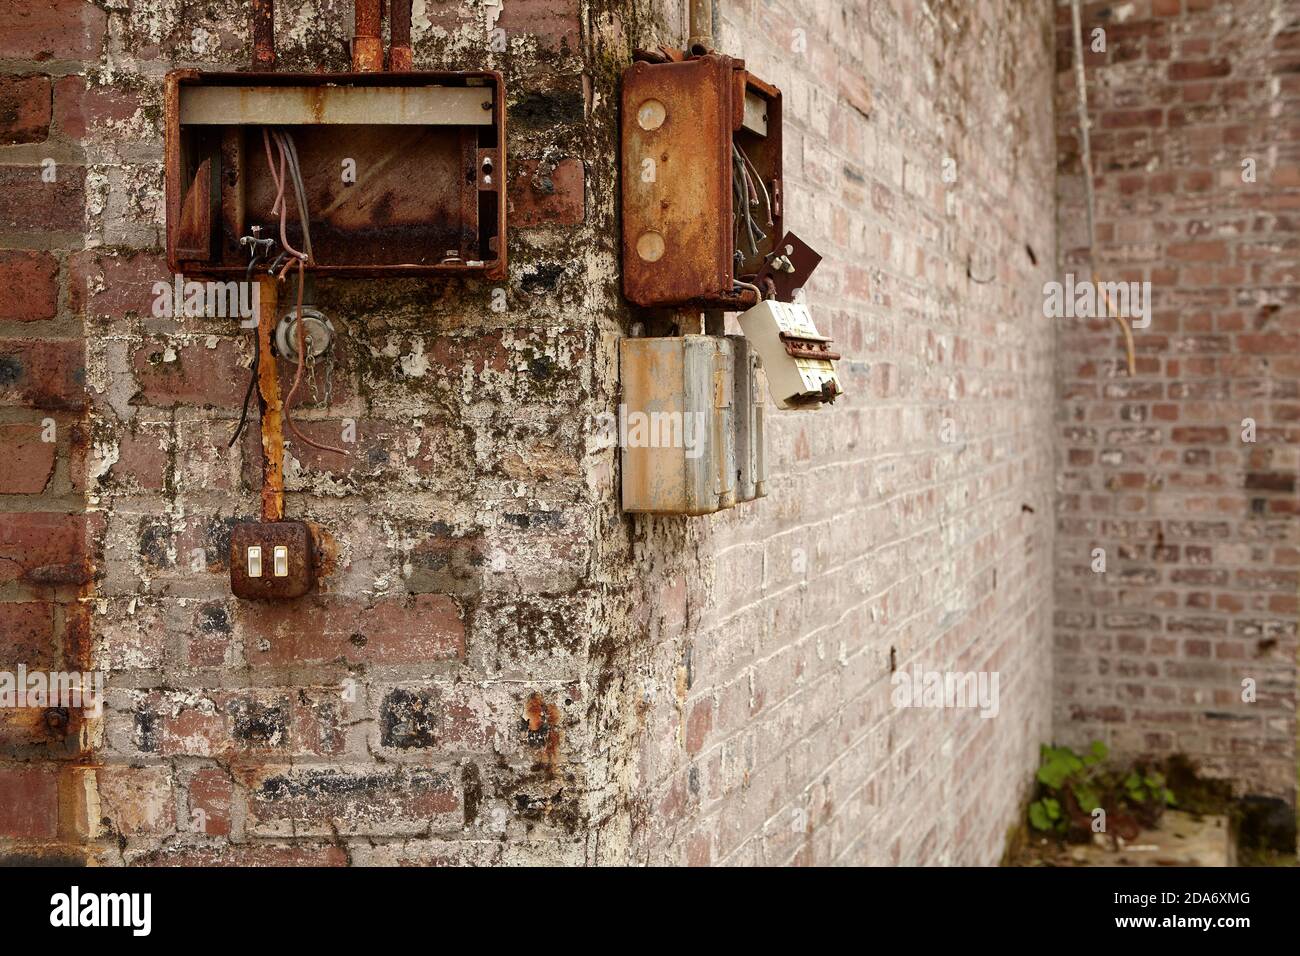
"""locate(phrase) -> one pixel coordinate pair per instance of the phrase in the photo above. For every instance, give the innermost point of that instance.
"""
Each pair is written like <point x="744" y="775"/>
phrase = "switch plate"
<point x="271" y="560"/>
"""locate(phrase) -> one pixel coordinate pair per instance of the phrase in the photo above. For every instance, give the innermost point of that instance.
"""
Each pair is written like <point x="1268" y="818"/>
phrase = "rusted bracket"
<point x="808" y="347"/>
<point x="272" y="409"/>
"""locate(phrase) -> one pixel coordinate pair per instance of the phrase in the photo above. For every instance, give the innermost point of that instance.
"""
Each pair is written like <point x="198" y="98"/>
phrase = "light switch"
<point x="254" y="561"/>
<point x="281" y="563"/>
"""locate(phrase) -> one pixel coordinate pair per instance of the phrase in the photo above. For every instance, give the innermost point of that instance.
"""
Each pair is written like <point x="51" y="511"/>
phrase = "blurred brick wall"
<point x="1198" y="525"/>
<point x="502" y="667"/>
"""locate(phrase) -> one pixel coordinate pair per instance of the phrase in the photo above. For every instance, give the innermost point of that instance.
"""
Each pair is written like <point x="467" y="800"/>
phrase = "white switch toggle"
<point x="254" y="561"/>
<point x="281" y="561"/>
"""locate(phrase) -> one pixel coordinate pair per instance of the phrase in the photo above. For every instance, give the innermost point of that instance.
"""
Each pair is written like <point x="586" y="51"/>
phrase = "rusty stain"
<point x="542" y="722"/>
<point x="263" y="25"/>
<point x="268" y="387"/>
<point x="399" y="39"/>
<point x="367" y="45"/>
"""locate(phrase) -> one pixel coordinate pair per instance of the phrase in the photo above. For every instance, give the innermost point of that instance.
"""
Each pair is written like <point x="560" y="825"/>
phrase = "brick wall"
<point x="759" y="662"/>
<point x="1197" y="522"/>
<point x="502" y="667"/>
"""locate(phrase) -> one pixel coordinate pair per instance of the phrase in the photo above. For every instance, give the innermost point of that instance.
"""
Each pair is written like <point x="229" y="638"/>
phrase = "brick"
<point x="43" y="549"/>
<point x="557" y="24"/>
<point x="211" y="795"/>
<point x="419" y="629"/>
<point x="27" y="635"/>
<point x="29" y="807"/>
<point x="547" y="196"/>
<point x="1199" y="69"/>
<point x="51" y="30"/>
<point x="322" y="801"/>
<point x="24" y="109"/>
<point x="29" y="288"/>
<point x="44" y="373"/>
<point x="81" y="108"/>
<point x="202" y="373"/>
<point x="26" y="460"/>
<point x="136" y="801"/>
<point x="30" y="204"/>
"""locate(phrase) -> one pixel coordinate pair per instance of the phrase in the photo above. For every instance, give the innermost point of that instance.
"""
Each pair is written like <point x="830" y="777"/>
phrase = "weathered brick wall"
<point x="760" y="664"/>
<point x="1198" y="525"/>
<point x="501" y="666"/>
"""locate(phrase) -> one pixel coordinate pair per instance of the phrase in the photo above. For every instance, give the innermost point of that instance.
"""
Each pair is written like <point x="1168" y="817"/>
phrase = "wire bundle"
<point x="286" y="172"/>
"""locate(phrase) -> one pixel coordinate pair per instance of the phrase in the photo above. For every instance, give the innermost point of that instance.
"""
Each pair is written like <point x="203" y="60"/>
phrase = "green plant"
<point x="1070" y="787"/>
<point x="1146" y="794"/>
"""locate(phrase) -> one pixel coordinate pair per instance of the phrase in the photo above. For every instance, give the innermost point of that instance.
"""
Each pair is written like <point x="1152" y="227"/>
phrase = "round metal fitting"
<point x="318" y="329"/>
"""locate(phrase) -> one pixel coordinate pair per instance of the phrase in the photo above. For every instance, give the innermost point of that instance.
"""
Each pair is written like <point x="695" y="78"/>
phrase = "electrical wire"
<point x="257" y="355"/>
<point x="290" y="174"/>
<point x="1081" y="87"/>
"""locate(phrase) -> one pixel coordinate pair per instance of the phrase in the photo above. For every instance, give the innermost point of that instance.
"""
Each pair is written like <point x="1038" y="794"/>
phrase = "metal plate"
<point x="293" y="535"/>
<point x="334" y="105"/>
<point x="676" y="158"/>
<point x="678" y="430"/>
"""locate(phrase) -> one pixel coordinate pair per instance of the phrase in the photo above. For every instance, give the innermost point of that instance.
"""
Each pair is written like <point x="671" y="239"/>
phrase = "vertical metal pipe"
<point x="700" y="27"/>
<point x="367" y="45"/>
<point x="399" y="41"/>
<point x="268" y="388"/>
<point x="263" y="34"/>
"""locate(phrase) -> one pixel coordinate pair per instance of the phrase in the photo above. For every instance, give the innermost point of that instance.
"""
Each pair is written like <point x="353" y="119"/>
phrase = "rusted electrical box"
<point x="402" y="173"/>
<point x="678" y="424"/>
<point x="702" y="189"/>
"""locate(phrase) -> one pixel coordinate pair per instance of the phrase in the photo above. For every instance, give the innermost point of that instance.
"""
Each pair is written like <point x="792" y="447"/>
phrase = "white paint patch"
<point x="416" y="364"/>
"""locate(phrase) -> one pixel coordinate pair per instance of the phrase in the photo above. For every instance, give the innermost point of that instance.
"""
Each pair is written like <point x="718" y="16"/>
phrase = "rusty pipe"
<point x="700" y="28"/>
<point x="263" y="34"/>
<point x="272" y="409"/>
<point x="367" y="44"/>
<point x="399" y="40"/>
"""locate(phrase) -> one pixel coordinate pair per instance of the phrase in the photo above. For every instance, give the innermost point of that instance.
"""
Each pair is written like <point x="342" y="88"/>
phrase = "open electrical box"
<point x="401" y="172"/>
<point x="702" y="189"/>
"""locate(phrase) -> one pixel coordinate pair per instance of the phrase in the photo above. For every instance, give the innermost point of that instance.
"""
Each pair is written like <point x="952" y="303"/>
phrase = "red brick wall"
<point x="44" y="565"/>
<point x="1198" y="526"/>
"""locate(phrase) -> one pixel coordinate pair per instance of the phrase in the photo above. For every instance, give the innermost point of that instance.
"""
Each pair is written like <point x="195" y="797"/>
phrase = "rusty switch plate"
<point x="681" y="123"/>
<point x="271" y="560"/>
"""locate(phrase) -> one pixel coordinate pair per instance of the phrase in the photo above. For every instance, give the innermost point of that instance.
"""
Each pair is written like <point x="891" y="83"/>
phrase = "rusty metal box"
<point x="697" y="135"/>
<point x="750" y="410"/>
<point x="677" y="424"/>
<point x="402" y="172"/>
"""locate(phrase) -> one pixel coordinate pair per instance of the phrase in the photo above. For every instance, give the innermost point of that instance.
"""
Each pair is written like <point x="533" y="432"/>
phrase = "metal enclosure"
<point x="428" y="151"/>
<point x="680" y="120"/>
<point x="751" y="405"/>
<point x="677" y="424"/>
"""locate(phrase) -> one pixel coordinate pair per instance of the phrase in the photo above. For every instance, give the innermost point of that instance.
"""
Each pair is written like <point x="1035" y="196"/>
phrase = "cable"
<point x="257" y="355"/>
<point x="290" y="173"/>
<point x="1081" y="86"/>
